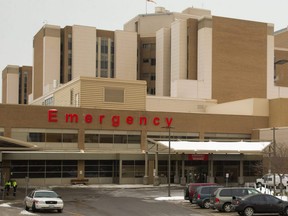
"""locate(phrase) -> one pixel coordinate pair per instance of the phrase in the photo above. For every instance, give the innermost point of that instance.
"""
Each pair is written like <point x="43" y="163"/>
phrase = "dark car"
<point x="202" y="195"/>
<point x="221" y="198"/>
<point x="191" y="188"/>
<point x="259" y="203"/>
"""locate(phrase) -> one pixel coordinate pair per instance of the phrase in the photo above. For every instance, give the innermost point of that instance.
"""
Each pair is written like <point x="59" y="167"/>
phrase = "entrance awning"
<point x="216" y="147"/>
<point x="7" y="144"/>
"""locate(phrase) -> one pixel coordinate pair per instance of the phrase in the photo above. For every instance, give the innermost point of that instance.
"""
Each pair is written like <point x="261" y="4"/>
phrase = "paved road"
<point x="116" y="201"/>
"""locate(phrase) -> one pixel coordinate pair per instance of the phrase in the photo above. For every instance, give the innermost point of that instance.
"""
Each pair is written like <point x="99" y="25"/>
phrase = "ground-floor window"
<point x="252" y="168"/>
<point x="44" y="168"/>
<point x="196" y="170"/>
<point x="101" y="168"/>
<point x="133" y="169"/>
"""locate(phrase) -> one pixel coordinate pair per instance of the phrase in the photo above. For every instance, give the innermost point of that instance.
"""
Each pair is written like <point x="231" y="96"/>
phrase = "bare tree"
<point x="279" y="162"/>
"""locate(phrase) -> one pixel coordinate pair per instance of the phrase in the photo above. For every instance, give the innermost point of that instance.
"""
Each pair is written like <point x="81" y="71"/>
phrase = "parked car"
<point x="221" y="199"/>
<point x="202" y="195"/>
<point x="259" y="203"/>
<point x="191" y="188"/>
<point x="43" y="200"/>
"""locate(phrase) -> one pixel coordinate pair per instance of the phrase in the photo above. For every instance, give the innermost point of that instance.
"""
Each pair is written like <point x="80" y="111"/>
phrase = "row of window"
<point x="44" y="169"/>
<point x="110" y="168"/>
<point x="113" y="138"/>
<point x="53" y="137"/>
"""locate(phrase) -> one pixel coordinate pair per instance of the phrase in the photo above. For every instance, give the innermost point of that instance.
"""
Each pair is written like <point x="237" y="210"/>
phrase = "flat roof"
<point x="216" y="147"/>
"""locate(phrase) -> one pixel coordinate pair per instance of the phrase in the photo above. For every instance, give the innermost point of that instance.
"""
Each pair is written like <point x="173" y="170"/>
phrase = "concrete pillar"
<point x="176" y="176"/>
<point x="156" y="181"/>
<point x="210" y="177"/>
<point x="145" y="178"/>
<point x="241" y="177"/>
<point x="183" y="179"/>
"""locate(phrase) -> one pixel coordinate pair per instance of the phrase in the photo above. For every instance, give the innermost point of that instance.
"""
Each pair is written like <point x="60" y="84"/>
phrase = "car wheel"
<point x="248" y="211"/>
<point x="227" y="207"/>
<point x="206" y="204"/>
<point x="259" y="185"/>
<point x="190" y="201"/>
<point x="60" y="210"/>
<point x="33" y="208"/>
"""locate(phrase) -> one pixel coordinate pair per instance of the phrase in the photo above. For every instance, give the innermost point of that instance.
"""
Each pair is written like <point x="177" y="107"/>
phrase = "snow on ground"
<point x="24" y="212"/>
<point x="5" y="205"/>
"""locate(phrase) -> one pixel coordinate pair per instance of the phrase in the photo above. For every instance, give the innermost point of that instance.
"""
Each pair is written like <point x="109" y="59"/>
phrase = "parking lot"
<point x="111" y="201"/>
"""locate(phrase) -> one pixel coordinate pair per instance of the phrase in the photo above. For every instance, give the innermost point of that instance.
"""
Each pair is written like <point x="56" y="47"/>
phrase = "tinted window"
<point x="240" y="192"/>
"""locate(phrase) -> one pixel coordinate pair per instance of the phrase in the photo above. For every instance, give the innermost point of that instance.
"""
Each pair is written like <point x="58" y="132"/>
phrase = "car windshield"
<point x="48" y="194"/>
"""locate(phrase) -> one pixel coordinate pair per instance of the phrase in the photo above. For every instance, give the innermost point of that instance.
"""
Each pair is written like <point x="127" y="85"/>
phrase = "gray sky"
<point x="20" y="20"/>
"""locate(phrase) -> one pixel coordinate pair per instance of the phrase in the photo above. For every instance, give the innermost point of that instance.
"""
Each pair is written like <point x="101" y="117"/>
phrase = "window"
<point x="48" y="101"/>
<point x="71" y="96"/>
<point x="116" y="137"/>
<point x="104" y="45"/>
<point x="145" y="46"/>
<point x="77" y="102"/>
<point x="99" y="168"/>
<point x="40" y="135"/>
<point x="36" y="137"/>
<point x="91" y="138"/>
<point x="145" y="60"/>
<point x="133" y="169"/>
<point x="106" y="138"/>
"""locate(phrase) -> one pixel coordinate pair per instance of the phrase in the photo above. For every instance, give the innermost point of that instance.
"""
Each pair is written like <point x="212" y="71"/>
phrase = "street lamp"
<point x="169" y="160"/>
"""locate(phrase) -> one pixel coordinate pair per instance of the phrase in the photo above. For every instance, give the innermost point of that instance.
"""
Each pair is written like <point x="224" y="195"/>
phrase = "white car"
<point x="43" y="200"/>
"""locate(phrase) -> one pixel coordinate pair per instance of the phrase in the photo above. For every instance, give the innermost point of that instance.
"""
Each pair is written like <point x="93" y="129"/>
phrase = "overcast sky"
<point x="20" y="20"/>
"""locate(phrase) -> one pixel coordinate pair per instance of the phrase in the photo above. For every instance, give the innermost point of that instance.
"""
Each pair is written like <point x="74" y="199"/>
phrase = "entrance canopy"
<point x="216" y="147"/>
<point x="7" y="144"/>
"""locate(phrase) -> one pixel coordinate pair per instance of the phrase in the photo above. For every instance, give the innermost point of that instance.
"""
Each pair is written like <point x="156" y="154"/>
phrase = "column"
<point x="145" y="178"/>
<point x="176" y="176"/>
<point x="156" y="181"/>
<point x="241" y="177"/>
<point x="183" y="179"/>
<point x="210" y="177"/>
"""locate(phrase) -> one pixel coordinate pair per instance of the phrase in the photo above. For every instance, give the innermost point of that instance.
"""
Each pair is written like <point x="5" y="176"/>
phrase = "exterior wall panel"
<point x="239" y="56"/>
<point x="51" y="62"/>
<point x="163" y="65"/>
<point x="83" y="51"/>
<point x="125" y="55"/>
<point x="93" y="95"/>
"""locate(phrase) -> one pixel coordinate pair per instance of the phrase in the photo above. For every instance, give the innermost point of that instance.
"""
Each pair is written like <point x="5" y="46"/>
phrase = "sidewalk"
<point x="21" y="192"/>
